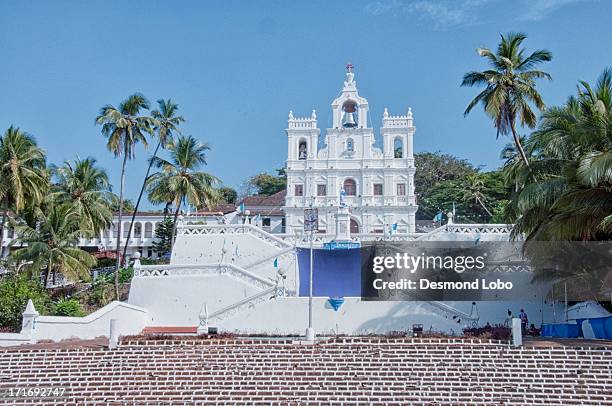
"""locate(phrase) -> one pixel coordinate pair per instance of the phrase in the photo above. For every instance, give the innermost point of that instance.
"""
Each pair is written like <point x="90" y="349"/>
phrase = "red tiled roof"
<point x="222" y="208"/>
<point x="276" y="200"/>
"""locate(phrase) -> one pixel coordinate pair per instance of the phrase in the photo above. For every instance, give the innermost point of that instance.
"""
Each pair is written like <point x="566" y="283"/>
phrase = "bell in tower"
<point x="349" y="114"/>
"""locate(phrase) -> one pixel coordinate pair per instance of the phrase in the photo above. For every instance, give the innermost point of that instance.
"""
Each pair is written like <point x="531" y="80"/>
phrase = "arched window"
<point x="349" y="114"/>
<point x="148" y="230"/>
<point x="350" y="187"/>
<point x="350" y="145"/>
<point x="137" y="230"/>
<point x="398" y="148"/>
<point x="302" y="150"/>
<point x="126" y="229"/>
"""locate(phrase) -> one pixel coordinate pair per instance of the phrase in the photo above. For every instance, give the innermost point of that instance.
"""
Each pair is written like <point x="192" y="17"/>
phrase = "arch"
<point x="350" y="187"/>
<point x="302" y="153"/>
<point x="349" y="114"/>
<point x="126" y="229"/>
<point x="354" y="226"/>
<point x="148" y="230"/>
<point x="350" y="145"/>
<point x="398" y="148"/>
<point x="137" y="230"/>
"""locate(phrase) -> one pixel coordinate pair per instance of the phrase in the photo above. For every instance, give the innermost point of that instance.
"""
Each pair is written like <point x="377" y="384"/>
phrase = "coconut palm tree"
<point x="166" y="124"/>
<point x="53" y="244"/>
<point x="179" y="179"/>
<point x="124" y="127"/>
<point x="85" y="186"/>
<point x="509" y="86"/>
<point x="473" y="190"/>
<point x="568" y="195"/>
<point x="23" y="175"/>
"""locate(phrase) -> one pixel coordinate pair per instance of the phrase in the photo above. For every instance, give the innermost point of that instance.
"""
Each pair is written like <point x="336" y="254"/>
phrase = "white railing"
<point x="154" y="271"/>
<point x="395" y="122"/>
<point x="472" y="316"/>
<point x="479" y="228"/>
<point x="302" y="123"/>
<point x="246" y="303"/>
<point x="211" y="229"/>
<point x="290" y="251"/>
<point x="319" y="239"/>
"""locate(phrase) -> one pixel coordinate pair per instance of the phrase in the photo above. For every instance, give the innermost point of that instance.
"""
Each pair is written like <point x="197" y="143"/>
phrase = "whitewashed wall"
<point x="130" y="320"/>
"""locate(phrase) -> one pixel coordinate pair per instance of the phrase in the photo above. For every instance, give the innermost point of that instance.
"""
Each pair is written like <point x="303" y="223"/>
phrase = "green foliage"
<point x="180" y="180"/>
<point x="23" y="174"/>
<point x="70" y="307"/>
<point x="509" y="86"/>
<point x="433" y="167"/>
<point x="102" y="291"/>
<point x="128" y="206"/>
<point x="163" y="234"/>
<point x="479" y="198"/>
<point x="126" y="274"/>
<point x="125" y="127"/>
<point x="228" y="195"/>
<point x="52" y="244"/>
<point x="442" y="179"/>
<point x="105" y="262"/>
<point x="15" y="290"/>
<point x="266" y="184"/>
<point x="566" y="192"/>
<point x="166" y="121"/>
<point x="85" y="186"/>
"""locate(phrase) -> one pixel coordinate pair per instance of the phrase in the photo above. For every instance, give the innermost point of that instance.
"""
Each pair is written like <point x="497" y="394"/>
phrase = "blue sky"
<point x="237" y="68"/>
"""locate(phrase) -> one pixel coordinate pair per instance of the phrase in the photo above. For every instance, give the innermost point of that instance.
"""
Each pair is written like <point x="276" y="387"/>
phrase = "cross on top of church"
<point x="349" y="67"/>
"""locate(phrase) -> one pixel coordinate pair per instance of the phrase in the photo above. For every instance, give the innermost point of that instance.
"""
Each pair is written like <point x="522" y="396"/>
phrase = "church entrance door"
<point x="354" y="227"/>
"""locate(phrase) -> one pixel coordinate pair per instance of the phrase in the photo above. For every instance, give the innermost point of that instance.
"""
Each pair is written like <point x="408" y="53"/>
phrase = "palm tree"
<point x="568" y="195"/>
<point x="23" y="175"/>
<point x="510" y="86"/>
<point x="85" y="186"/>
<point x="166" y="124"/>
<point x="53" y="244"/>
<point x="473" y="190"/>
<point x="124" y="127"/>
<point x="179" y="180"/>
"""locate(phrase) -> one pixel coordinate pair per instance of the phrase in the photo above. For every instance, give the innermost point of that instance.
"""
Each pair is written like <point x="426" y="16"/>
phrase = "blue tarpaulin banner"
<point x="337" y="273"/>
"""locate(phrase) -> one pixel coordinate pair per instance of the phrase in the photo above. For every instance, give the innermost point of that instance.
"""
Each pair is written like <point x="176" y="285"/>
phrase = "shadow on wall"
<point x="401" y="317"/>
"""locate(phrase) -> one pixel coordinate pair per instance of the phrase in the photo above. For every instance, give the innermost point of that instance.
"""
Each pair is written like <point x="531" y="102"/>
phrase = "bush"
<point x="497" y="332"/>
<point x="102" y="291"/>
<point x="125" y="275"/>
<point x="67" y="307"/>
<point x="106" y="262"/>
<point x="15" y="290"/>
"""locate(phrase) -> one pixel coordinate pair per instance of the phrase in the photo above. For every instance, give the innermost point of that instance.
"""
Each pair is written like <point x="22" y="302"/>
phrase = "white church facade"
<point x="376" y="184"/>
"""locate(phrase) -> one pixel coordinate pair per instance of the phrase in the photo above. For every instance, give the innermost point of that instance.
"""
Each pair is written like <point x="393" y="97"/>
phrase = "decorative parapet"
<point x="320" y="239"/>
<point x="302" y="123"/>
<point x="242" y="305"/>
<point x="390" y="121"/>
<point x="148" y="271"/>
<point x="479" y="228"/>
<point x="205" y="229"/>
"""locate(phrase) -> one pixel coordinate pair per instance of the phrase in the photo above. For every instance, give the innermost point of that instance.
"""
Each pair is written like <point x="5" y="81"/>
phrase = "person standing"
<point x="524" y="321"/>
<point x="508" y="322"/>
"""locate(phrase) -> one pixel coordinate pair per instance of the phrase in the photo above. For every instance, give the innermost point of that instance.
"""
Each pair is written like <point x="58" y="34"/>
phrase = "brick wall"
<point x="345" y="371"/>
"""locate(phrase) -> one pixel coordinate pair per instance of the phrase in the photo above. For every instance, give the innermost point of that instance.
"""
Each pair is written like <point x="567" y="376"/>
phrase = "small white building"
<point x="377" y="184"/>
<point x="141" y="238"/>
